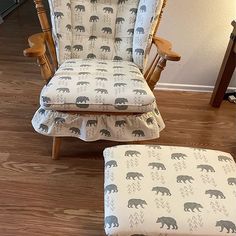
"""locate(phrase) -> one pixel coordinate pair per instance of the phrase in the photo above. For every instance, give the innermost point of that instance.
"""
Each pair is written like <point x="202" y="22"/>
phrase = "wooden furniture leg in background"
<point x="226" y="70"/>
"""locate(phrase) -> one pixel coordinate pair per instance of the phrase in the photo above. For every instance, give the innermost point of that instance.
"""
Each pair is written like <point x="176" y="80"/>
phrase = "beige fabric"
<point x="168" y="190"/>
<point x="147" y="19"/>
<point x="98" y="85"/>
<point x="88" y="35"/>
<point x="103" y="29"/>
<point x="96" y="127"/>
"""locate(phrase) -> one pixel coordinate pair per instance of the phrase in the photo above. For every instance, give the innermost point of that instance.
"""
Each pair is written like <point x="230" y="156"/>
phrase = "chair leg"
<point x="137" y="142"/>
<point x="56" y="148"/>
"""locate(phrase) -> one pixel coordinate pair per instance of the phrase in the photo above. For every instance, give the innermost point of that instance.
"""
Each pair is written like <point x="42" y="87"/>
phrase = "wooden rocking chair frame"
<point x="42" y="47"/>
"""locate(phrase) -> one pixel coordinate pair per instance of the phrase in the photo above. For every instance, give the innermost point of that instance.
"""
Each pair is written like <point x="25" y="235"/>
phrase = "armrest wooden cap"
<point x="37" y="46"/>
<point x="164" y="49"/>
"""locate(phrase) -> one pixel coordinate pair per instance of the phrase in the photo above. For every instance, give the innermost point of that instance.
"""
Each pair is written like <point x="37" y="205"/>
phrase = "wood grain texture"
<point x="164" y="49"/>
<point x="56" y="147"/>
<point x="37" y="49"/>
<point x="46" y="28"/>
<point x="40" y="196"/>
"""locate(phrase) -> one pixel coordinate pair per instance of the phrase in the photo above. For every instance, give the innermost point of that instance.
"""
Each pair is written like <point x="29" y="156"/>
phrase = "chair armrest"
<point x="164" y="49"/>
<point x="37" y="45"/>
<point x="164" y="53"/>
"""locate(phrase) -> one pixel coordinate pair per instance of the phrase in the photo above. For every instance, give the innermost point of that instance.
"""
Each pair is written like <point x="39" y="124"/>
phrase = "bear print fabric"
<point x="96" y="127"/>
<point x="156" y="190"/>
<point x="102" y="29"/>
<point x="145" y="25"/>
<point x="98" y="85"/>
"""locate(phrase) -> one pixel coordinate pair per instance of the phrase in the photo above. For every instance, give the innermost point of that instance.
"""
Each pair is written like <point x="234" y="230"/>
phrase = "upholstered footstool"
<point x="168" y="190"/>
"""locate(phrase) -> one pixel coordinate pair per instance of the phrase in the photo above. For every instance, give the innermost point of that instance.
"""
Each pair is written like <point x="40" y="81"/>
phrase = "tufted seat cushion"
<point x="168" y="190"/>
<point x="98" y="85"/>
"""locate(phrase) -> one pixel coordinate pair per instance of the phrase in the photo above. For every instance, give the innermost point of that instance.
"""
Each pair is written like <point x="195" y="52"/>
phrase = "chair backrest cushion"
<point x="148" y="17"/>
<point x="103" y="29"/>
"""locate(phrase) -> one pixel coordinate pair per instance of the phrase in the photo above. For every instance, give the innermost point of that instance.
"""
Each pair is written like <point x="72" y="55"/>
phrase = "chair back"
<point x="104" y="29"/>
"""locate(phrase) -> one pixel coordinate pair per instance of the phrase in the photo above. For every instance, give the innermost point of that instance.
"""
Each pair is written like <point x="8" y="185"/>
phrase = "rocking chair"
<point x="94" y="63"/>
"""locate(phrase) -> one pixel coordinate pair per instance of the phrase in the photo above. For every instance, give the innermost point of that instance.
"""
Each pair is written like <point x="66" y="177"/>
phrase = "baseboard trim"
<point x="188" y="87"/>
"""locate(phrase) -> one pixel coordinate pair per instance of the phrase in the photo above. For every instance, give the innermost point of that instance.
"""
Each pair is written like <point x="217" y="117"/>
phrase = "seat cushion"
<point x="98" y="85"/>
<point x="159" y="190"/>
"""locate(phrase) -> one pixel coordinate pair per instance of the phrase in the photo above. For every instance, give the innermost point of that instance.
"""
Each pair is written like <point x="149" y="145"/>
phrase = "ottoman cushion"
<point x="151" y="190"/>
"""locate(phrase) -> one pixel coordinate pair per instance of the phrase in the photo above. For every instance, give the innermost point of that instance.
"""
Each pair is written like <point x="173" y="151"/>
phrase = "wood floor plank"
<point x="40" y="196"/>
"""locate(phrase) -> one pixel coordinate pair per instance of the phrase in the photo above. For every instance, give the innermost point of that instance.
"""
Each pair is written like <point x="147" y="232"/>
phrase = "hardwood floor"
<point x="40" y="196"/>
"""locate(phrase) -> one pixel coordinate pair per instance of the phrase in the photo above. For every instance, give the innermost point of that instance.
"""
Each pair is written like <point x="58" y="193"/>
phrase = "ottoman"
<point x="154" y="190"/>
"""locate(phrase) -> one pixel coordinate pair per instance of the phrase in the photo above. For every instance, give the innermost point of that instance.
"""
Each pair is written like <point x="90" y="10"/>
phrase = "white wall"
<point x="199" y="30"/>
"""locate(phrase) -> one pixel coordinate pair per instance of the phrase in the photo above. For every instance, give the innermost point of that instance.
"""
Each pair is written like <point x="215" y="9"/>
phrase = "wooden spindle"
<point x="46" y="30"/>
<point x="157" y="73"/>
<point x="45" y="67"/>
<point x="152" y="67"/>
<point x="160" y="16"/>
